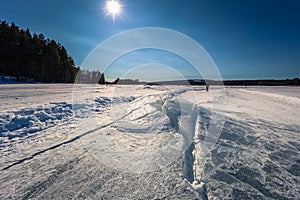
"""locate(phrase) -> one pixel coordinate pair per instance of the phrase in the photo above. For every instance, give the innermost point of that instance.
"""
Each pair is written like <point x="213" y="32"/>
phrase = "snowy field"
<point x="145" y="142"/>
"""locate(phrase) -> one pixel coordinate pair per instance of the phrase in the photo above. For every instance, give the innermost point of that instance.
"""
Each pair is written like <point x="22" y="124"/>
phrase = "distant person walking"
<point x="207" y="87"/>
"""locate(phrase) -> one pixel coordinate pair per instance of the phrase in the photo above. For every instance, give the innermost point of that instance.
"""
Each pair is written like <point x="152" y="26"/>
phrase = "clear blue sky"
<point x="247" y="39"/>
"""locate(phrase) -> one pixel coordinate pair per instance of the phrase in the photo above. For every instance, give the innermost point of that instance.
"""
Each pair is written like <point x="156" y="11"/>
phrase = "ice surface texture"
<point x="55" y="147"/>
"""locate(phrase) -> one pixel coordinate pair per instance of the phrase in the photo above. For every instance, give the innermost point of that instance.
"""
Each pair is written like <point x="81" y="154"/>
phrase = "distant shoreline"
<point x="244" y="83"/>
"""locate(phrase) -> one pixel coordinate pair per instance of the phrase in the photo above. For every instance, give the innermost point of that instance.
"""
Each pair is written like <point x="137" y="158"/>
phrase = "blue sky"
<point x="246" y="39"/>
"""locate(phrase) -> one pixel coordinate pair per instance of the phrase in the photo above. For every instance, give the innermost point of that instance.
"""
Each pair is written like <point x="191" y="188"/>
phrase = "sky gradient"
<point x="246" y="39"/>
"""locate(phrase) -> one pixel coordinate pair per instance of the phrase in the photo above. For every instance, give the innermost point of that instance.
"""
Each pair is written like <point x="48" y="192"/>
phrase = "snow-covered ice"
<point x="61" y="141"/>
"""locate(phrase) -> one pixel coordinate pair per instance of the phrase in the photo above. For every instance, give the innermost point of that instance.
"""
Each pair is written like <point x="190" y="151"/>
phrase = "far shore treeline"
<point x="33" y="58"/>
<point x="27" y="57"/>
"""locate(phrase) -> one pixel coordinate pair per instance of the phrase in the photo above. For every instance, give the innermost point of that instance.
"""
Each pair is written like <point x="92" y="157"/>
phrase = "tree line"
<point x="23" y="54"/>
<point x="89" y="77"/>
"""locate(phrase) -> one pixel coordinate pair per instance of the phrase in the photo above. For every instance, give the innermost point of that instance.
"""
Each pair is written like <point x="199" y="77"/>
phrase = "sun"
<point x="113" y="7"/>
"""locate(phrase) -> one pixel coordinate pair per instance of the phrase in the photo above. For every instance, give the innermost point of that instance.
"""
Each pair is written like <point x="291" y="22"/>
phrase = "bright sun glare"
<point x="113" y="7"/>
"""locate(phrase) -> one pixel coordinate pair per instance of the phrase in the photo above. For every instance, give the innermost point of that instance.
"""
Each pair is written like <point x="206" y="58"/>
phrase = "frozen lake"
<point x="146" y="142"/>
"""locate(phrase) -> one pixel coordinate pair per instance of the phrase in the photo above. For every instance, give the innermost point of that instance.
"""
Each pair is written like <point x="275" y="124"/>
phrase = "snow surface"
<point x="61" y="141"/>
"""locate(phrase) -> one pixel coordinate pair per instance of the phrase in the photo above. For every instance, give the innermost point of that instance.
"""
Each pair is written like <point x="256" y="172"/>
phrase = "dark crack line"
<point x="56" y="146"/>
<point x="65" y="143"/>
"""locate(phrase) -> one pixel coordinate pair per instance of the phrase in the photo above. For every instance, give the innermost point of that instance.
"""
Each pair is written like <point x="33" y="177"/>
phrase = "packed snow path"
<point x="106" y="142"/>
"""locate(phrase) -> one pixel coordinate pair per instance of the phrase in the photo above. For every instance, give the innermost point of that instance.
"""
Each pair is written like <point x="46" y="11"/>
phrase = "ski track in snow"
<point x="52" y="147"/>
